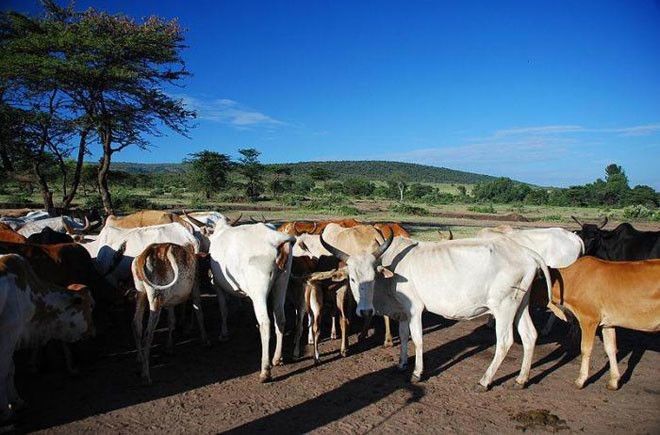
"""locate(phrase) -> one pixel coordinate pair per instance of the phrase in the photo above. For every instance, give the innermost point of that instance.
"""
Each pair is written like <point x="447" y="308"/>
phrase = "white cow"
<point x="309" y="245"/>
<point x="16" y="222"/>
<point x="460" y="279"/>
<point x="165" y="275"/>
<point x="61" y="224"/>
<point x="558" y="248"/>
<point x="254" y="261"/>
<point x="32" y="312"/>
<point x="131" y="242"/>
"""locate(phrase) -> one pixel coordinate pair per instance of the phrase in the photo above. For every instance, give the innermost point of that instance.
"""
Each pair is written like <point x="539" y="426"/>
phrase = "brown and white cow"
<point x="7" y="234"/>
<point x="144" y="218"/>
<point x="609" y="294"/>
<point x="32" y="312"/>
<point x="165" y="275"/>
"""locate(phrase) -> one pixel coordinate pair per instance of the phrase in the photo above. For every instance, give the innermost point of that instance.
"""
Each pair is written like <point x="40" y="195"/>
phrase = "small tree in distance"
<point x="252" y="170"/>
<point x="208" y="171"/>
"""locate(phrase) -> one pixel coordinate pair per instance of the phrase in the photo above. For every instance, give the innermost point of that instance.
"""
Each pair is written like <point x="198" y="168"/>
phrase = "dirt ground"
<point x="216" y="389"/>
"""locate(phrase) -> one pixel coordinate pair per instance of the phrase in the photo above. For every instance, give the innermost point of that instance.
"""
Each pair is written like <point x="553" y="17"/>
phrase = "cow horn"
<point x="192" y="220"/>
<point x="87" y="224"/>
<point x="382" y="248"/>
<point x="235" y="221"/>
<point x="334" y="251"/>
<point x="69" y="230"/>
<point x="576" y="220"/>
<point x="442" y="236"/>
<point x="295" y="228"/>
<point x="603" y="223"/>
<point x="316" y="224"/>
<point x="451" y="235"/>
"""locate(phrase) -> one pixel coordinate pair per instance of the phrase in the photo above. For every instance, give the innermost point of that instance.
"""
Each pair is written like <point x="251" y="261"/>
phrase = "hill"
<point x="368" y="169"/>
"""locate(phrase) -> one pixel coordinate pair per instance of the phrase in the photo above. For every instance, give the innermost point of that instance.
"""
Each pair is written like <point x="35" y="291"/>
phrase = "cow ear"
<point x="76" y="287"/>
<point x="385" y="272"/>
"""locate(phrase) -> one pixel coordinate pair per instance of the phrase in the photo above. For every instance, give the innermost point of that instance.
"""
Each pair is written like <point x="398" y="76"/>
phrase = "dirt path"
<point x="210" y="390"/>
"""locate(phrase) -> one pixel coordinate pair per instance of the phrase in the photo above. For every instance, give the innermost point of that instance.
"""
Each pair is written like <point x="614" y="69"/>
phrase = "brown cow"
<point x="7" y="234"/>
<point x="391" y="227"/>
<point x="296" y="228"/>
<point x="608" y="294"/>
<point x="64" y="264"/>
<point x="144" y="218"/>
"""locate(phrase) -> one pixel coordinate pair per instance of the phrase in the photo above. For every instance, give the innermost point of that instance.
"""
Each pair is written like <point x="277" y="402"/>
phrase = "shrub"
<point x="157" y="192"/>
<point x="482" y="208"/>
<point x="638" y="212"/>
<point x="552" y="217"/>
<point x="410" y="209"/>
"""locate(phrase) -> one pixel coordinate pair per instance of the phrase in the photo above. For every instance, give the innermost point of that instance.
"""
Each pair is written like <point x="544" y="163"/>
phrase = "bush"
<point x="124" y="201"/>
<point x="291" y="200"/>
<point x="552" y="217"/>
<point x="482" y="208"/>
<point x="157" y="192"/>
<point x="410" y="209"/>
<point x="639" y="212"/>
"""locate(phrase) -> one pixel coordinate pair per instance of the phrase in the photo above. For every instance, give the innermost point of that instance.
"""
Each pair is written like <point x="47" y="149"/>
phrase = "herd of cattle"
<point x="57" y="282"/>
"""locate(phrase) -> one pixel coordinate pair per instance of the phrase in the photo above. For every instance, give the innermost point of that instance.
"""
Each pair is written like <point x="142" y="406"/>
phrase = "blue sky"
<point x="545" y="92"/>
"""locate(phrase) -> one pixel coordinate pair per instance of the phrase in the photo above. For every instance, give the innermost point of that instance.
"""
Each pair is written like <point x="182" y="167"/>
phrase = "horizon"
<point x="548" y="94"/>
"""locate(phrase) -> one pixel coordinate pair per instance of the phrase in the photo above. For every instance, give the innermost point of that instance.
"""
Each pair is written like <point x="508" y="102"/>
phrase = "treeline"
<point x="613" y="191"/>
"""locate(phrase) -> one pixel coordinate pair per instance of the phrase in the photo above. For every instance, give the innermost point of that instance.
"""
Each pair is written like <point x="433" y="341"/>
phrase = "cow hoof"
<point x="479" y="388"/>
<point x="402" y="368"/>
<point x="265" y="377"/>
<point x="333" y="336"/>
<point x="578" y="384"/>
<point x="612" y="386"/>
<point x="415" y="379"/>
<point x="146" y="381"/>
<point x="344" y="353"/>
<point x="517" y="386"/>
<point x="388" y="344"/>
<point x="361" y="337"/>
<point x="279" y="362"/>
<point x="317" y="361"/>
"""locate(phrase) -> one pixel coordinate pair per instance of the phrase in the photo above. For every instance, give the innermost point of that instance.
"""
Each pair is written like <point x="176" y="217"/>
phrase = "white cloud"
<point x="636" y="130"/>
<point x="227" y="111"/>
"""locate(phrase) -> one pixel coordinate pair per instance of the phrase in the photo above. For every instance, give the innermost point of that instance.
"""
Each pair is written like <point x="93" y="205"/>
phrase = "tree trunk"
<point x="104" y="171"/>
<point x="401" y="189"/>
<point x="66" y="201"/>
<point x="46" y="194"/>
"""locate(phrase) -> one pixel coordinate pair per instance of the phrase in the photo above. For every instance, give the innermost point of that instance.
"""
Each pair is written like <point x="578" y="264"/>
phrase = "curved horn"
<point x="235" y="221"/>
<point x="316" y="225"/>
<point x="253" y="219"/>
<point x="576" y="220"/>
<point x="603" y="223"/>
<point x="69" y="229"/>
<point x="451" y="235"/>
<point x="295" y="228"/>
<point x="334" y="251"/>
<point x="199" y="224"/>
<point x="87" y="224"/>
<point x="382" y="248"/>
<point x="263" y="218"/>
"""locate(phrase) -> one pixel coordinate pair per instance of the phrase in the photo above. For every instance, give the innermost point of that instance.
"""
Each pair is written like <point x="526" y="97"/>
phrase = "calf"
<point x="33" y="312"/>
<point x="176" y="266"/>
<point x="609" y="294"/>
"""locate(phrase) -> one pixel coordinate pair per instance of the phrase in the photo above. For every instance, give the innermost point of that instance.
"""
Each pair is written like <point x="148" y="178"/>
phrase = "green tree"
<point x="398" y="181"/>
<point x="319" y="174"/>
<point x="252" y="170"/>
<point x="112" y="70"/>
<point x="208" y="171"/>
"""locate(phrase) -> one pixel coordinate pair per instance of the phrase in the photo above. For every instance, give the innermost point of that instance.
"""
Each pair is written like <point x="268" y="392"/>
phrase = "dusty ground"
<point x="216" y="390"/>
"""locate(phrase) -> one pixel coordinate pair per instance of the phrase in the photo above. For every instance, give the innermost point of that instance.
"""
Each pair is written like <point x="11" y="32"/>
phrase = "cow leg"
<point x="333" y="328"/>
<point x="199" y="314"/>
<point x="343" y="319"/>
<point x="416" y="332"/>
<point x="609" y="340"/>
<point x="310" y="334"/>
<point x="388" y="333"/>
<point x="404" y="333"/>
<point x="6" y="376"/>
<point x="140" y="305"/>
<point x="154" y="315"/>
<point x="528" y="337"/>
<point x="222" y="305"/>
<point x="278" y="299"/>
<point x="68" y="359"/>
<point x="261" y="313"/>
<point x="548" y="325"/>
<point x="364" y="333"/>
<point x="316" y="305"/>
<point x="171" y="324"/>
<point x="504" y="332"/>
<point x="588" y="328"/>
<point x="300" y="318"/>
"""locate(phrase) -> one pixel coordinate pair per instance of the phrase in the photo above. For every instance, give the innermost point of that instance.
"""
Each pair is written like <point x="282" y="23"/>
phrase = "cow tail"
<point x="285" y="254"/>
<point x="548" y="282"/>
<point x="175" y="267"/>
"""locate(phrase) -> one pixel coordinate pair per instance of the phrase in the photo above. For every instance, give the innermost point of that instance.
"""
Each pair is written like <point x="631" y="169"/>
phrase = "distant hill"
<point x="368" y="169"/>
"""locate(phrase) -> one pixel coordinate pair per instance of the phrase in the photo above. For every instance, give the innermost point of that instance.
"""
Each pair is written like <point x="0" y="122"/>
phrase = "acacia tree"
<point x="252" y="170"/>
<point x="112" y="70"/>
<point x="398" y="181"/>
<point x="208" y="171"/>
